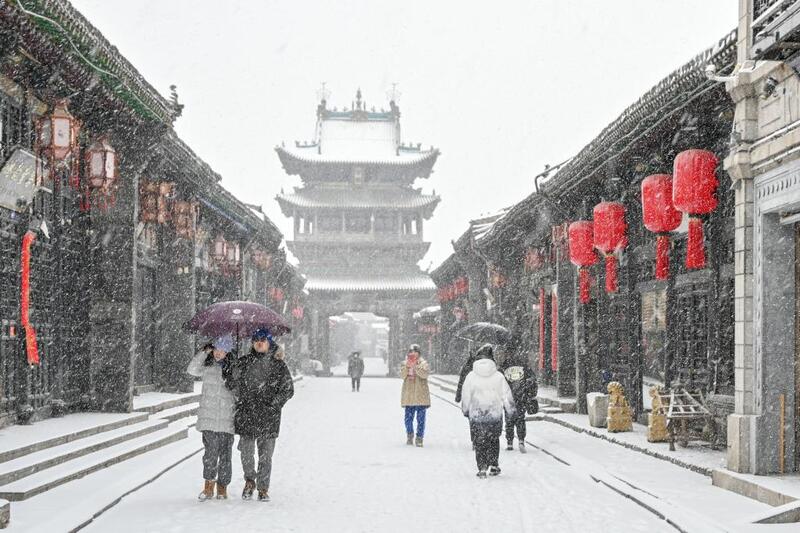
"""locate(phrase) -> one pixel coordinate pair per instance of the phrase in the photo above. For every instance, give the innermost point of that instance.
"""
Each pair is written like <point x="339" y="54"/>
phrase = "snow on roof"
<point x="371" y="156"/>
<point x="483" y="225"/>
<point x="395" y="198"/>
<point x="363" y="283"/>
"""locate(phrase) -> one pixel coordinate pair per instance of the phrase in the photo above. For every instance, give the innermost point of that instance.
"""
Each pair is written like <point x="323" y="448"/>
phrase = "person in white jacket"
<point x="215" y="416"/>
<point x="484" y="397"/>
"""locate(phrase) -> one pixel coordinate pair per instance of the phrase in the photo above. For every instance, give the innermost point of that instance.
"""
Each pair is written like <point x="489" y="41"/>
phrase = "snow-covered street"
<point x="341" y="464"/>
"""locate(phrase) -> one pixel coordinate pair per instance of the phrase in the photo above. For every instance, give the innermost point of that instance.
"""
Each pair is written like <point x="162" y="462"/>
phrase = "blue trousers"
<point x="420" y="411"/>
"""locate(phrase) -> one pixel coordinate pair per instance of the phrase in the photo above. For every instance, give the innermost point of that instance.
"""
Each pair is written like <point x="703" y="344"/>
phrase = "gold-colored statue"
<point x="619" y="412"/>
<point x="657" y="419"/>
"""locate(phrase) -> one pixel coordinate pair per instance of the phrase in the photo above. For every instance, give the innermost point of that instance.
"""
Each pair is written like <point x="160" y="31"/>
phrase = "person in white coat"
<point x="484" y="397"/>
<point x="215" y="415"/>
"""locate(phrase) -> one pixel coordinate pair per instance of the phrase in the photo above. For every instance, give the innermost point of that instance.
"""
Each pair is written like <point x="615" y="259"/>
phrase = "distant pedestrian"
<point x="263" y="385"/>
<point x="215" y="415"/>
<point x="355" y="369"/>
<point x="522" y="382"/>
<point x="415" y="396"/>
<point x="484" y="398"/>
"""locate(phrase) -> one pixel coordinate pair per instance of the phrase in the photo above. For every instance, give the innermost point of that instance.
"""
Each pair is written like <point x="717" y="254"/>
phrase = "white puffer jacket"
<point x="217" y="401"/>
<point x="486" y="394"/>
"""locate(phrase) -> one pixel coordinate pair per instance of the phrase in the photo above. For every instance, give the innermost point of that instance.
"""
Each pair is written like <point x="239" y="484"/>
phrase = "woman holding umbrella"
<point x="261" y="382"/>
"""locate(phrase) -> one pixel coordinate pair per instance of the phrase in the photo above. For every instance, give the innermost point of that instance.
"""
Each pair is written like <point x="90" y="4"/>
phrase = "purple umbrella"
<point x="236" y="318"/>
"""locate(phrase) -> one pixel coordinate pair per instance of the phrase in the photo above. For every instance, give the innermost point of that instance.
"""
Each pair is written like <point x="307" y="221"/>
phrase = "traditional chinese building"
<point x="113" y="232"/>
<point x="358" y="221"/>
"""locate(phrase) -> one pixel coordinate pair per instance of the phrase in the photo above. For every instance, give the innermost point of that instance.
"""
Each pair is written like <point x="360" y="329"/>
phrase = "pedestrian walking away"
<point x="484" y="398"/>
<point x="415" y="396"/>
<point x="263" y="385"/>
<point x="215" y="414"/>
<point x="355" y="369"/>
<point x="514" y="365"/>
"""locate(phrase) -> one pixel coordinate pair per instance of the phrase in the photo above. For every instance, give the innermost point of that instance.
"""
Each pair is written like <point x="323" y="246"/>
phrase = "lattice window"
<point x="691" y="365"/>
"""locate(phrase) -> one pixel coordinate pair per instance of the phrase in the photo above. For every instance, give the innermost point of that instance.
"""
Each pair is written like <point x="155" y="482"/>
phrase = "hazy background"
<point x="501" y="89"/>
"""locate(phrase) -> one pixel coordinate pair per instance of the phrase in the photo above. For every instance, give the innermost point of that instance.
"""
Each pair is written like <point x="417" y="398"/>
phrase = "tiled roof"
<point x="397" y="198"/>
<point x="683" y="85"/>
<point x="309" y="154"/>
<point x="368" y="283"/>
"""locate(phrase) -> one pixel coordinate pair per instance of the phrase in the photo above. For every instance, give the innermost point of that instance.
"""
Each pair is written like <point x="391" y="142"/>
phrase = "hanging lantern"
<point x="582" y="254"/>
<point x="232" y="256"/>
<point x="694" y="190"/>
<point x="57" y="143"/>
<point x="219" y="249"/>
<point x="164" y="201"/>
<point x="148" y="201"/>
<point x="58" y="132"/>
<point x="183" y="218"/>
<point x="101" y="164"/>
<point x="101" y="170"/>
<point x="609" y="237"/>
<point x="660" y="216"/>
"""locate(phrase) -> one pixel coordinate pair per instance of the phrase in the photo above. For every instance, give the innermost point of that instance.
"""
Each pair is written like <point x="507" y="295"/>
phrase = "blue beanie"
<point x="224" y="343"/>
<point x="262" y="333"/>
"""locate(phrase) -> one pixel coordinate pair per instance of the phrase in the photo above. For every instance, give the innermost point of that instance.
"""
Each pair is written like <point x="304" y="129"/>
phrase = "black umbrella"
<point x="485" y="332"/>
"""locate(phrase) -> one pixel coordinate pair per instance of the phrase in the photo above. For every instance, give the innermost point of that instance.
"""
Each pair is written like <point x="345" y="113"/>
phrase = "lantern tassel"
<point x="584" y="284"/>
<point x="662" y="257"/>
<point x="611" y="273"/>
<point x="695" y="247"/>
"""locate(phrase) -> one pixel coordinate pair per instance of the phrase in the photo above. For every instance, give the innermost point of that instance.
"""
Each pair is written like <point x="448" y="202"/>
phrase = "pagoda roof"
<point x="411" y="282"/>
<point x="360" y="137"/>
<point x="310" y="162"/>
<point x="363" y="198"/>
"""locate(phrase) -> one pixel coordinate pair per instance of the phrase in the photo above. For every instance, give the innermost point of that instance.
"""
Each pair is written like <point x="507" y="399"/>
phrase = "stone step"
<point x="550" y="410"/>
<point x="32" y="463"/>
<point x="55" y="476"/>
<point x="57" y="431"/>
<point x="169" y="403"/>
<point x="176" y="413"/>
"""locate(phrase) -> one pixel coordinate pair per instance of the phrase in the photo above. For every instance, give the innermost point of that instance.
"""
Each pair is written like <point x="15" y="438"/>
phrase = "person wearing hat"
<point x="484" y="398"/>
<point x="215" y="415"/>
<point x="355" y="369"/>
<point x="263" y="385"/>
<point x="415" y="396"/>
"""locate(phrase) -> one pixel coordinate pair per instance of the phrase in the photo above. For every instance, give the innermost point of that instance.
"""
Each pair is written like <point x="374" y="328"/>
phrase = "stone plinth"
<point x="597" y="405"/>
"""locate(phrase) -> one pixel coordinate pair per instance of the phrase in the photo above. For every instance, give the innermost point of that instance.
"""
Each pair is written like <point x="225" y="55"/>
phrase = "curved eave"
<point x="313" y="168"/>
<point x="289" y="203"/>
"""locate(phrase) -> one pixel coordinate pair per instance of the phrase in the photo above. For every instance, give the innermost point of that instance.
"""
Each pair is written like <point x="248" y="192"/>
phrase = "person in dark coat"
<point x="262" y="384"/>
<point x="355" y="369"/>
<point x="522" y="381"/>
<point x="466" y="369"/>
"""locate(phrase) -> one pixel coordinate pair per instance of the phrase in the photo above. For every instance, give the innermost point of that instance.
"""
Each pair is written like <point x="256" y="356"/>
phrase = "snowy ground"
<point x="373" y="366"/>
<point x="341" y="464"/>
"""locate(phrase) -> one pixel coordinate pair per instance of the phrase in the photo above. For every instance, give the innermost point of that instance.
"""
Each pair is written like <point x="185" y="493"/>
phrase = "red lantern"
<point x="694" y="192"/>
<point x="609" y="237"/>
<point x="581" y="253"/>
<point x="660" y="216"/>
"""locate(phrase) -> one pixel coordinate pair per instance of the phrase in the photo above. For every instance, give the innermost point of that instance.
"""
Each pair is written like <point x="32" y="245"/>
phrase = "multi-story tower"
<point x="358" y="220"/>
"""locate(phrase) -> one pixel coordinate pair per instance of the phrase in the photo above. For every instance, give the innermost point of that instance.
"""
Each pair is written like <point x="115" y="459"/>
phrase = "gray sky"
<point x="501" y="90"/>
